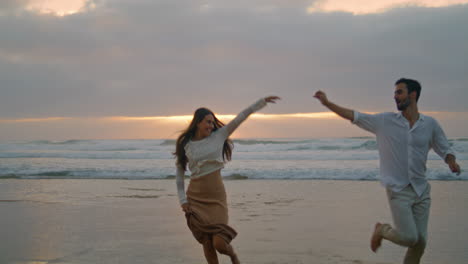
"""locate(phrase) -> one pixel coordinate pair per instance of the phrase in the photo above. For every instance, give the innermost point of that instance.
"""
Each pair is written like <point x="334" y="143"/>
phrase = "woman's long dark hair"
<point x="186" y="135"/>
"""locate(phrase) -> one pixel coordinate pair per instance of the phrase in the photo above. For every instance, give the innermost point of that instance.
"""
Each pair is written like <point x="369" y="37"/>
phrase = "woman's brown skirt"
<point x="209" y="214"/>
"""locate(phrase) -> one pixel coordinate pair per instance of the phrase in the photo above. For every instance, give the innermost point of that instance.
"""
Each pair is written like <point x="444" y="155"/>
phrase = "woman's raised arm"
<point x="234" y="124"/>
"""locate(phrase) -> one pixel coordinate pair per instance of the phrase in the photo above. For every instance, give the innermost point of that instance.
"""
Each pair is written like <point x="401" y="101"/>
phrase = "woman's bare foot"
<point x="376" y="239"/>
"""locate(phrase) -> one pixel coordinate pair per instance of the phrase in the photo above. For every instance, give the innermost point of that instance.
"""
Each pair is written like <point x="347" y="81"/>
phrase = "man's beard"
<point x="403" y="105"/>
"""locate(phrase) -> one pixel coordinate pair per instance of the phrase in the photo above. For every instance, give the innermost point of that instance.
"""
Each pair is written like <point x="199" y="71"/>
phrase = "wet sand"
<point x="278" y="221"/>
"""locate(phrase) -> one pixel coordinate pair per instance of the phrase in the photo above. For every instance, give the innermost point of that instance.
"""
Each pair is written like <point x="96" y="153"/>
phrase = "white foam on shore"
<point x="331" y="159"/>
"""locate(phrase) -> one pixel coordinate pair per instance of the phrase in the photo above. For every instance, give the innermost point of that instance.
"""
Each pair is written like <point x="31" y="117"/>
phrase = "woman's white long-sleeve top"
<point x="206" y="155"/>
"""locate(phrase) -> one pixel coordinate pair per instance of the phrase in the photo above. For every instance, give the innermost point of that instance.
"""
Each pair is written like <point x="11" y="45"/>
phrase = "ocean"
<point x="324" y="159"/>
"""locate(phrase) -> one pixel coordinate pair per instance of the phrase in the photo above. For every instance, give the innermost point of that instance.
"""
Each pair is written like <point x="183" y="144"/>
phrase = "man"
<point x="403" y="140"/>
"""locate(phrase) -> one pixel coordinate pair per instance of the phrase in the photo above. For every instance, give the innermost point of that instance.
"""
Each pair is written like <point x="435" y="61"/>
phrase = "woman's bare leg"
<point x="210" y="252"/>
<point x="224" y="248"/>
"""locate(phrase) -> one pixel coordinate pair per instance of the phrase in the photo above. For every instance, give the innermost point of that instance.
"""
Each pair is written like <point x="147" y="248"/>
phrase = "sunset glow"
<point x="187" y="118"/>
<point x="361" y="7"/>
<point x="305" y="125"/>
<point x="181" y="118"/>
<point x="150" y="118"/>
<point x="57" y="7"/>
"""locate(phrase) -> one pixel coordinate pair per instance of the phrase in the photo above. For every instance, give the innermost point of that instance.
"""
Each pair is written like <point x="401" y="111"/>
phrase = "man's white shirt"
<point x="403" y="150"/>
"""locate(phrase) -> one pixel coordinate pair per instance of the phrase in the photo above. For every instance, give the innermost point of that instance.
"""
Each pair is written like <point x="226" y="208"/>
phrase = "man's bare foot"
<point x="235" y="260"/>
<point x="376" y="239"/>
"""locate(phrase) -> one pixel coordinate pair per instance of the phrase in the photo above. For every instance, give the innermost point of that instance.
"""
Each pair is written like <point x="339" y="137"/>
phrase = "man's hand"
<point x="455" y="168"/>
<point x="453" y="165"/>
<point x="322" y="97"/>
<point x="341" y="111"/>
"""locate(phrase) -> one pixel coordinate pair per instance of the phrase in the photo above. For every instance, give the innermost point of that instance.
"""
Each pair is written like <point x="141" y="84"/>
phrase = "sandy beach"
<point x="279" y="221"/>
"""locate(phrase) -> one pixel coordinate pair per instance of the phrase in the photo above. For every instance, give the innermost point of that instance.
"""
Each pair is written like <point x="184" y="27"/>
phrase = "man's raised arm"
<point x="341" y="111"/>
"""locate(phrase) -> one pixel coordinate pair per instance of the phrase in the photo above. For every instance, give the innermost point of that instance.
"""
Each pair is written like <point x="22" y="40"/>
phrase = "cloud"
<point x="152" y="58"/>
<point x="11" y="4"/>
<point x="47" y="7"/>
<point x="59" y="7"/>
<point x="361" y="7"/>
<point x="8" y="7"/>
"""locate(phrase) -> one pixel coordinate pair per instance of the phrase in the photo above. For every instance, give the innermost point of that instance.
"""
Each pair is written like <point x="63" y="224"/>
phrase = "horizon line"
<point x="310" y="115"/>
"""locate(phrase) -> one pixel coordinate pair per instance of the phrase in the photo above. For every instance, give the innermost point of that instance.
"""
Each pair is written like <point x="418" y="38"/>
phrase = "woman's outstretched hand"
<point x="272" y="99"/>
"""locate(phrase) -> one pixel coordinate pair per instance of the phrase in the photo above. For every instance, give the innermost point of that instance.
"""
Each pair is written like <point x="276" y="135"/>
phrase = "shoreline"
<point x="236" y="177"/>
<point x="278" y="221"/>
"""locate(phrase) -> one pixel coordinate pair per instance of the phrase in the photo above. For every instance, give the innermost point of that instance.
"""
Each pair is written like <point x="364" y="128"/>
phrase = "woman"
<point x="205" y="146"/>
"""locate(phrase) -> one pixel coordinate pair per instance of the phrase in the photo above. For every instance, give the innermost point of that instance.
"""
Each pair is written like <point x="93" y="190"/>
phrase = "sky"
<point x="93" y="69"/>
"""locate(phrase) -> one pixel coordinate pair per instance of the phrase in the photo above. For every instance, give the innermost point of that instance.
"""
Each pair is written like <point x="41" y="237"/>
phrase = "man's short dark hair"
<point x="412" y="85"/>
